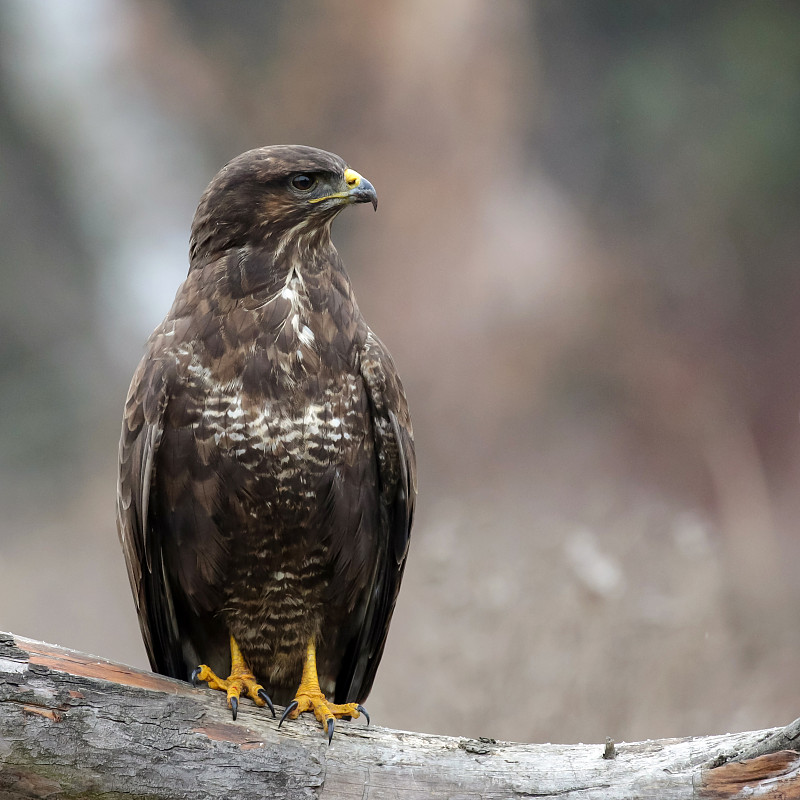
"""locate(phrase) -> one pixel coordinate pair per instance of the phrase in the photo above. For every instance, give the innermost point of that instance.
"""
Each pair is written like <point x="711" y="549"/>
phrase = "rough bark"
<point x="77" y="726"/>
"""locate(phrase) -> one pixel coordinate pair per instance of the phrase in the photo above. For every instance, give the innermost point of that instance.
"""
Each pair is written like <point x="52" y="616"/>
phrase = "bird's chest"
<point x="286" y="398"/>
<point x="293" y="438"/>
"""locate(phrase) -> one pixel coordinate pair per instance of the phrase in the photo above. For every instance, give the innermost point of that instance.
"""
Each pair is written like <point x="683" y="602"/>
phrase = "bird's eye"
<point x="303" y="182"/>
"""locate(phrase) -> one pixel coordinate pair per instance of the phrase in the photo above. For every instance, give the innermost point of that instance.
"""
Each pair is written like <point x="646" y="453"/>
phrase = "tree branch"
<point x="76" y="726"/>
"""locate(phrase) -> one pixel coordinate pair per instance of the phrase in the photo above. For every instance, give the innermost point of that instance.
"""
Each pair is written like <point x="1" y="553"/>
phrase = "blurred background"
<point x="585" y="264"/>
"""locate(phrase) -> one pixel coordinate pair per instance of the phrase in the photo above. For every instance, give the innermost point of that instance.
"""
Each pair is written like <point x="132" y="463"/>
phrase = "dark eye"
<point x="303" y="182"/>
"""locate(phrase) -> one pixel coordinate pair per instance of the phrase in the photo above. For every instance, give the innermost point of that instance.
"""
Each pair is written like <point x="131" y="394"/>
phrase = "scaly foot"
<point x="240" y="681"/>
<point x="309" y="697"/>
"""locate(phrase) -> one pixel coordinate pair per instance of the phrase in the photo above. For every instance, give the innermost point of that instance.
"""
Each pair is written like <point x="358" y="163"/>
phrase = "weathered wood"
<point x="73" y="725"/>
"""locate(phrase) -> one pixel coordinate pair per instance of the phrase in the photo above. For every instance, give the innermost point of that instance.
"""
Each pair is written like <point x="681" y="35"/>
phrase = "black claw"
<point x="291" y="707"/>
<point x="265" y="697"/>
<point x="362" y="710"/>
<point x="331" y="726"/>
<point x="234" y="707"/>
<point x="195" y="673"/>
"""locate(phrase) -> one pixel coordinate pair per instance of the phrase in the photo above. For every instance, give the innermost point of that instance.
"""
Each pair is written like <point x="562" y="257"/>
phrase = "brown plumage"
<point x="266" y="464"/>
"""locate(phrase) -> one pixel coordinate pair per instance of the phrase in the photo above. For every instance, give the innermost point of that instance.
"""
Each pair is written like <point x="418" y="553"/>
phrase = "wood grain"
<point x="78" y="726"/>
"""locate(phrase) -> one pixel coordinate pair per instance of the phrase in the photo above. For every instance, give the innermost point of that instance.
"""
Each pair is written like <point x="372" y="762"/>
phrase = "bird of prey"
<point x="267" y="475"/>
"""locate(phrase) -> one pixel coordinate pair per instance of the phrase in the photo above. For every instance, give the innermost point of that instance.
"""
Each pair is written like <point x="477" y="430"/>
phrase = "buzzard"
<point x="267" y="475"/>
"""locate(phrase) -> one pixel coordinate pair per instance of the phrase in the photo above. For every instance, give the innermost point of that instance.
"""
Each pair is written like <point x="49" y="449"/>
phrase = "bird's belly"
<point x="273" y="612"/>
<point x="295" y="466"/>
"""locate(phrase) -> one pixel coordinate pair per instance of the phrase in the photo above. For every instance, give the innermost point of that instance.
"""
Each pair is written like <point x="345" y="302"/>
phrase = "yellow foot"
<point x="240" y="681"/>
<point x="325" y="711"/>
<point x="309" y="697"/>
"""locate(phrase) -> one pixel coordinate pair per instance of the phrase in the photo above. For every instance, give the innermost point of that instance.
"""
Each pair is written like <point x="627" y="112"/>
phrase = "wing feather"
<point x="394" y="452"/>
<point x="142" y="429"/>
<point x="165" y="519"/>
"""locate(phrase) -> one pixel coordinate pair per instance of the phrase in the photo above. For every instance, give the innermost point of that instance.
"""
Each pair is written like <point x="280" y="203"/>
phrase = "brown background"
<point x="584" y="262"/>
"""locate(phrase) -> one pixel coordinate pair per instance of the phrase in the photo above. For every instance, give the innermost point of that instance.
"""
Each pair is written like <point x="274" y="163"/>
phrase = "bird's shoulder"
<point x="391" y="420"/>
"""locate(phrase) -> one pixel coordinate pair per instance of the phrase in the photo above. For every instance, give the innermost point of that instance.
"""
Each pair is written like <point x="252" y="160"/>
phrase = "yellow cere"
<point x="352" y="178"/>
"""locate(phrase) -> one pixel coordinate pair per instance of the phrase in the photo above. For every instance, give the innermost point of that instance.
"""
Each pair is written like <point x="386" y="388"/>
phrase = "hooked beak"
<point x="359" y="190"/>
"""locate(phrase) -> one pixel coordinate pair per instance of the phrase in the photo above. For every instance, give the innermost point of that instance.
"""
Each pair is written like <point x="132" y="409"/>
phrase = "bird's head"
<point x="272" y="194"/>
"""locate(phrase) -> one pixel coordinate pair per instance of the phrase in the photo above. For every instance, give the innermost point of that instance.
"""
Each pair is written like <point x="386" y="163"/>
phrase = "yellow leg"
<point x="240" y="680"/>
<point x="309" y="697"/>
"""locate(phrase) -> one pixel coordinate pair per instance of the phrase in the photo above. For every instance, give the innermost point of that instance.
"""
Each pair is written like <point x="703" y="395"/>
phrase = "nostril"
<point x="352" y="178"/>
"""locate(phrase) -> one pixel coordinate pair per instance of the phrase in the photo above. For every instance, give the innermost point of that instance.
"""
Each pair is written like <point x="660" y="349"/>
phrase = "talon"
<point x="291" y="707"/>
<point x="265" y="697"/>
<point x="329" y="731"/>
<point x="310" y="697"/>
<point x="240" y="682"/>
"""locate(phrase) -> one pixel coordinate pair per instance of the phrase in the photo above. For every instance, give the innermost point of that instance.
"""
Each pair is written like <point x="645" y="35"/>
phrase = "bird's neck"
<point x="273" y="322"/>
<point x="300" y="280"/>
<point x="253" y="270"/>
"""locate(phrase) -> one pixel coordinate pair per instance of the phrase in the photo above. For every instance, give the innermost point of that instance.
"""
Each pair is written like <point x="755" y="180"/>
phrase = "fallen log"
<point x="77" y="726"/>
